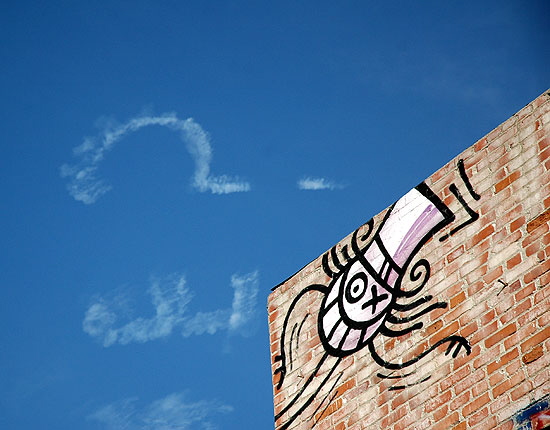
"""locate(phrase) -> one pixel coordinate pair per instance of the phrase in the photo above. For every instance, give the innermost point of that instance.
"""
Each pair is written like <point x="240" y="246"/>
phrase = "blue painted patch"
<point x="522" y="418"/>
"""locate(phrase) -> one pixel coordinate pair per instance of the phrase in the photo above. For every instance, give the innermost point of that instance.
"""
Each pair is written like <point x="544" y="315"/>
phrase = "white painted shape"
<point x="330" y="319"/>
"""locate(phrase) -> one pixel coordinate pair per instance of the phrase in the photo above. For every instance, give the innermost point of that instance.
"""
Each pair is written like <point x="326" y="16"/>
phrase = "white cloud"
<point x="98" y="319"/>
<point x="205" y="322"/>
<point x="85" y="186"/>
<point x="237" y="318"/>
<point x="169" y="413"/>
<point x="170" y="298"/>
<point x="315" y="184"/>
<point x="244" y="300"/>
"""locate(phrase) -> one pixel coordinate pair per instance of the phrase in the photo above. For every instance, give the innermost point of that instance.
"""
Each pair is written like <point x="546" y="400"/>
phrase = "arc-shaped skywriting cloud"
<point x="170" y="298"/>
<point x="86" y="186"/>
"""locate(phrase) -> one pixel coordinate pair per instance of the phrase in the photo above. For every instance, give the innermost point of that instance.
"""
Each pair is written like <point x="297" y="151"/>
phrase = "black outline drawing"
<point x="356" y="288"/>
<point x="454" y="189"/>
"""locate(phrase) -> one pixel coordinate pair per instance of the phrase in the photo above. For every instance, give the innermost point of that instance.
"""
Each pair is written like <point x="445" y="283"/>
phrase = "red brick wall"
<point x="489" y="276"/>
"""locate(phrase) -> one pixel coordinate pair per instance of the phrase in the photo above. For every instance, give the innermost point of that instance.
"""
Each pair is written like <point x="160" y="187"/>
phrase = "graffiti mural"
<point x="366" y="294"/>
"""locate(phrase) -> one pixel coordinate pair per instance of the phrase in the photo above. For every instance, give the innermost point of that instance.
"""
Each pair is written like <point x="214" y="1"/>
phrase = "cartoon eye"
<point x="362" y="298"/>
<point x="356" y="288"/>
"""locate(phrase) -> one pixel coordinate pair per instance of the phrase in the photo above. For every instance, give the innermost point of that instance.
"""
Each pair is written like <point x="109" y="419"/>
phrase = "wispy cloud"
<point x="316" y="184"/>
<point x="170" y="412"/>
<point x="170" y="298"/>
<point x="206" y="322"/>
<point x="86" y="186"/>
<point x="244" y="300"/>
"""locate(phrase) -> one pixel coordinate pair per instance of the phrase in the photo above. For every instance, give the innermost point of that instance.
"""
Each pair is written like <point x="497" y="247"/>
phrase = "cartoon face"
<point x="361" y="298"/>
<point x="353" y="310"/>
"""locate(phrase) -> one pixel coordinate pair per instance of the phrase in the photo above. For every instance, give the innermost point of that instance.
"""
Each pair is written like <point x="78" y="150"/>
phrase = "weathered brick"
<point x="438" y="401"/>
<point x="513" y="262"/>
<point x="521" y="390"/>
<point x="502" y="361"/>
<point x="501" y="334"/>
<point x="507" y="181"/>
<point x="508" y="425"/>
<point x="333" y="407"/>
<point x="476" y="404"/>
<point x="537" y="271"/>
<point x="441" y="413"/>
<point x="538" y="221"/>
<point x="483" y="234"/>
<point x="449" y="421"/>
<point x="507" y="385"/>
<point x="536" y="339"/>
<point x="468" y="382"/>
<point x="532" y="355"/>
<point x="516" y="311"/>
<point x="514" y="225"/>
<point x="480" y="388"/>
<point x="524" y="292"/>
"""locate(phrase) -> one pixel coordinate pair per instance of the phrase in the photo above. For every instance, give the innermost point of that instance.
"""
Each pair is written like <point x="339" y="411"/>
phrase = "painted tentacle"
<point x="413" y="305"/>
<point x="396" y="320"/>
<point x="340" y="264"/>
<point x="282" y="357"/>
<point x="415" y="274"/>
<point x="454" y="341"/>
<point x="303" y="403"/>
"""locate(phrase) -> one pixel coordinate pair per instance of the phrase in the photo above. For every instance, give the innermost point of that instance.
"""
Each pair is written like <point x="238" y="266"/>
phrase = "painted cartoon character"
<point x="367" y="289"/>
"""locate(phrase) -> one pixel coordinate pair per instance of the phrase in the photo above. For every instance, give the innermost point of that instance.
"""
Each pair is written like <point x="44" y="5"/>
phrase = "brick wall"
<point x="435" y="313"/>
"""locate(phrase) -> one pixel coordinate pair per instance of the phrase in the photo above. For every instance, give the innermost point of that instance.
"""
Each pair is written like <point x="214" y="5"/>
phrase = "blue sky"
<point x="165" y="163"/>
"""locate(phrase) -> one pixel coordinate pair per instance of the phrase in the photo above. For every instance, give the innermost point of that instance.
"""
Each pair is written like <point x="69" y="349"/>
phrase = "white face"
<point x="362" y="297"/>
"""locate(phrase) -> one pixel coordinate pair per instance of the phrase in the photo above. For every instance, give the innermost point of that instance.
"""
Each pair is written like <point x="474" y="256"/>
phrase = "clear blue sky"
<point x="165" y="163"/>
